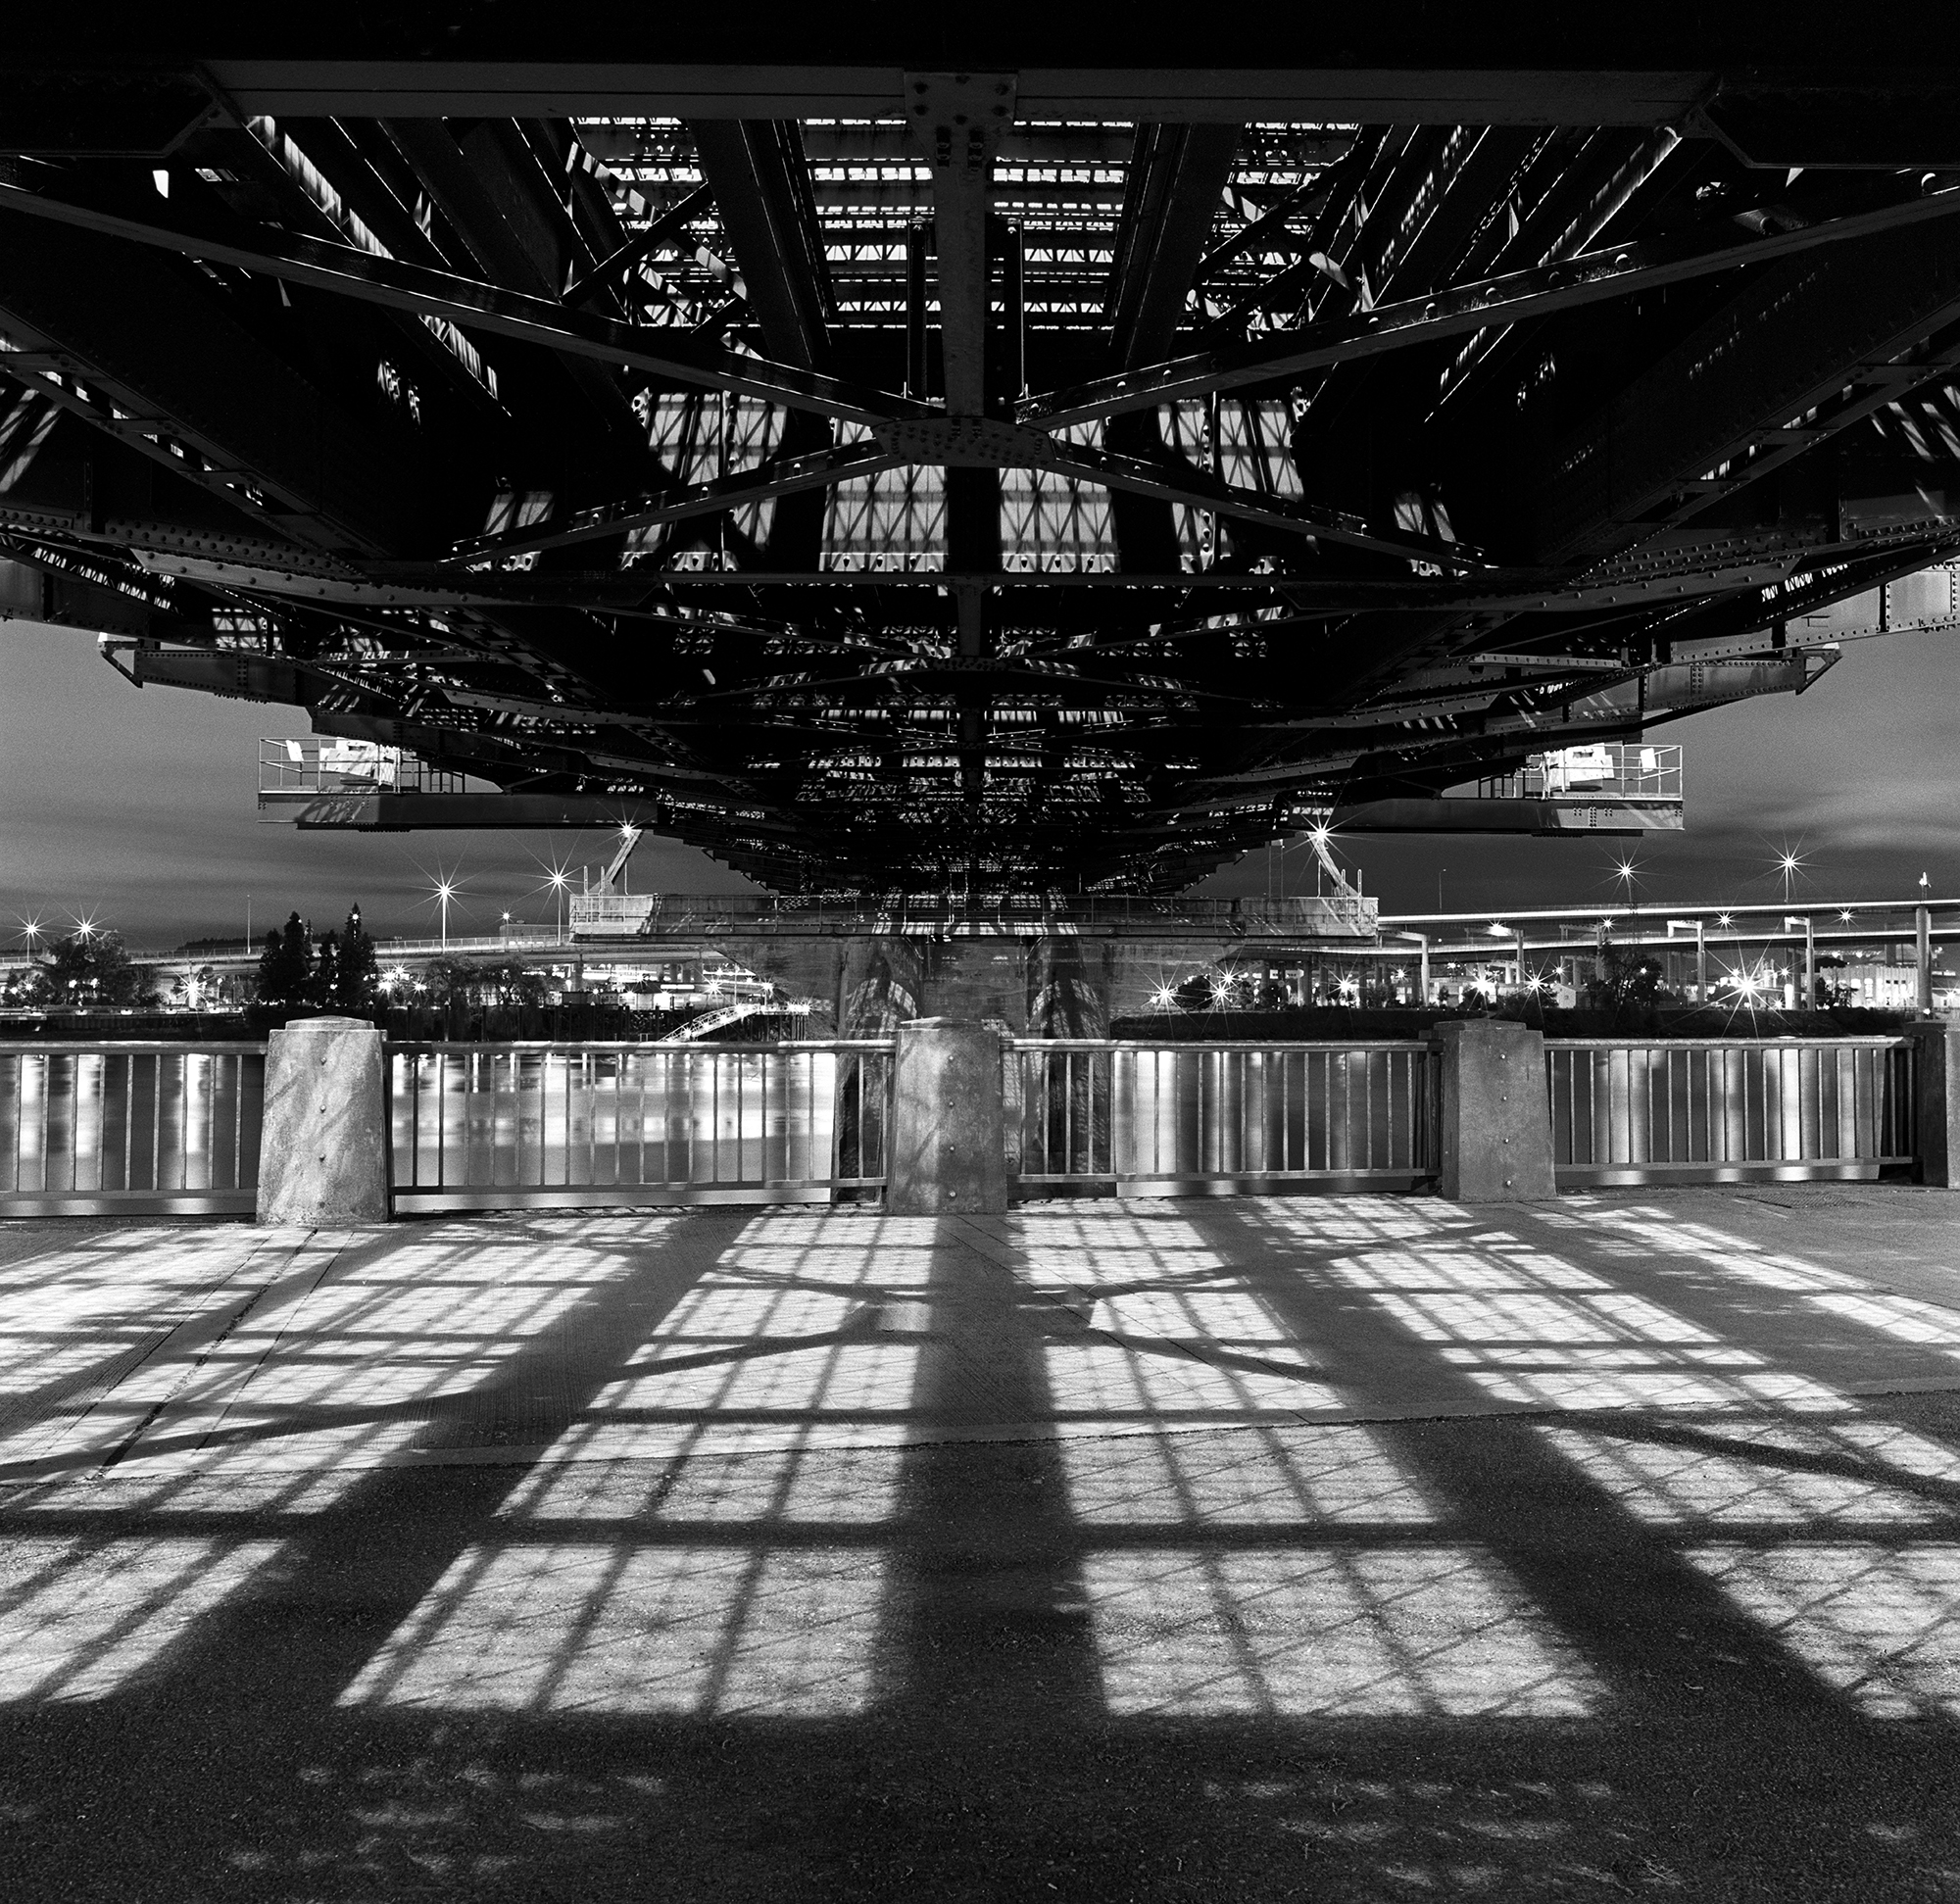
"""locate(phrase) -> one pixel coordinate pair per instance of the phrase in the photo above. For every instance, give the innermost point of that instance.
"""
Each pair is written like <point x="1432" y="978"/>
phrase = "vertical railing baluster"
<point x="590" y="1080"/>
<point x="1367" y="1112"/>
<point x="669" y="1172"/>
<point x="840" y="1120"/>
<point x="640" y="1100"/>
<point x="128" y="1094"/>
<point x="1329" y="1149"/>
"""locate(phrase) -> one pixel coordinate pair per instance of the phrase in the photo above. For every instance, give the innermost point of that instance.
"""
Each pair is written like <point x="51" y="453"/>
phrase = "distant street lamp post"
<point x="1422" y="939"/>
<point x="1810" y="926"/>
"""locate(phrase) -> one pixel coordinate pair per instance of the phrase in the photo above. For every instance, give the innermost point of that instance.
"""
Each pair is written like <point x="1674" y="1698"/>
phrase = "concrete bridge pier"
<point x="323" y="1149"/>
<point x="883" y="986"/>
<point x="1496" y="1140"/>
<point x="1071" y="984"/>
<point x="948" y="1151"/>
<point x="1058" y="986"/>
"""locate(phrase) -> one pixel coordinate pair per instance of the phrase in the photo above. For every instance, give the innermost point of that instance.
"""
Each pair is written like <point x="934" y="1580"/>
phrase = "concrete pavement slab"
<point x="1350" y="1547"/>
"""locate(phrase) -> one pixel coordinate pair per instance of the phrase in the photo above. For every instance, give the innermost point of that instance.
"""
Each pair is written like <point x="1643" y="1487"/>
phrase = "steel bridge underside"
<point x="909" y="467"/>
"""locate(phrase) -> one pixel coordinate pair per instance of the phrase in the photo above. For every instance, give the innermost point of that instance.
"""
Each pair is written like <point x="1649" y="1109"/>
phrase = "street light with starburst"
<point x="1627" y="872"/>
<point x="556" y="881"/>
<point x="443" y="886"/>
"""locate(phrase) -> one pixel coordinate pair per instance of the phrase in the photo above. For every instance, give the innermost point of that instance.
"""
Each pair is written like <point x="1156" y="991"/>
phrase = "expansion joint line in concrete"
<point x="122" y="1451"/>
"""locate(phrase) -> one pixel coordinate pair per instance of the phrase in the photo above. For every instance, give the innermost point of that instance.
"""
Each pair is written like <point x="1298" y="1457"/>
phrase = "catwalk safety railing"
<point x="1219" y="1117"/>
<point x="134" y="1128"/>
<point x="480" y="1126"/>
<point x="1713" y="1110"/>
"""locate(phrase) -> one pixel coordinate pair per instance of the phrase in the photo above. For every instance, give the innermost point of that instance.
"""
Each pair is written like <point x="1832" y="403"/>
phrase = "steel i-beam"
<point x="959" y="118"/>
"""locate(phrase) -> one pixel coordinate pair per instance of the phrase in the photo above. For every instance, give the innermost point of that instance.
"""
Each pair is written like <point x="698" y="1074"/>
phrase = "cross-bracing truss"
<point x="895" y="478"/>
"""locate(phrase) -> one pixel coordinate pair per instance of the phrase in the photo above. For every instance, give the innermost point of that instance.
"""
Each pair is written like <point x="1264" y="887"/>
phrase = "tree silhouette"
<point x="324" y="986"/>
<point x="1628" y="985"/>
<point x="286" y="967"/>
<point x="358" y="977"/>
<point x="88" y="968"/>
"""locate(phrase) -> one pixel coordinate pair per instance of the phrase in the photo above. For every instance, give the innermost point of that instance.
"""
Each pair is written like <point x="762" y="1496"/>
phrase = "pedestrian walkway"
<point x="1328" y="1546"/>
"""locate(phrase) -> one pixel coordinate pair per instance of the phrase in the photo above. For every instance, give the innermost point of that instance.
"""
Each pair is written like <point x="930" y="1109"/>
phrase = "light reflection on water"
<point x="127" y="1120"/>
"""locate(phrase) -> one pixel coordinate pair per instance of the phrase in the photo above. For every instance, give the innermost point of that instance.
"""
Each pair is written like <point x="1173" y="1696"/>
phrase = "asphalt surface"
<point x="1321" y="1548"/>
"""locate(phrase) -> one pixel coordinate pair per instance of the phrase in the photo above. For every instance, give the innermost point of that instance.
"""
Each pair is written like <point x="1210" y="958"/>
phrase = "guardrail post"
<point x="324" y="1155"/>
<point x="947" y="1150"/>
<point x="1496" y="1113"/>
<point x="1936" y="1102"/>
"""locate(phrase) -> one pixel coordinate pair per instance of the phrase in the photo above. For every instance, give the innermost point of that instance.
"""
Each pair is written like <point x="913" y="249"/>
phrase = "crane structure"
<point x="974" y="454"/>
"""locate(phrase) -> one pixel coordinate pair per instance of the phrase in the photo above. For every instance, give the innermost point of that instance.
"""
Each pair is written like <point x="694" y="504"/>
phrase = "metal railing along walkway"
<point x="1220" y="1118"/>
<point x="154" y="1128"/>
<point x="132" y="1127"/>
<point x="487" y="1126"/>
<point x="1716" y="1110"/>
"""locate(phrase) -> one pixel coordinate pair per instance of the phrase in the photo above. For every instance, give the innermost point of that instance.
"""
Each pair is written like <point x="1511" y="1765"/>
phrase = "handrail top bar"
<point x="819" y="1045"/>
<point x="1221" y="1044"/>
<point x="1864" y="1040"/>
<point x="133" y="1047"/>
<point x="229" y="1046"/>
<point x="887" y="1044"/>
<point x="684" y="1048"/>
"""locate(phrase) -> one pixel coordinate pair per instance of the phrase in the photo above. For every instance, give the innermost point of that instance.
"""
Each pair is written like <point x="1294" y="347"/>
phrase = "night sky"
<point x="139" y="808"/>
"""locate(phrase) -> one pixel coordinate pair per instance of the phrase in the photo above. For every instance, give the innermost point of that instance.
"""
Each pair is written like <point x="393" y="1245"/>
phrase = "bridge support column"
<point x="1496" y="1115"/>
<point x="1937" y="1110"/>
<point x="1068" y="989"/>
<point x="888" y="991"/>
<point x="946" y="1153"/>
<point x="323" y="1156"/>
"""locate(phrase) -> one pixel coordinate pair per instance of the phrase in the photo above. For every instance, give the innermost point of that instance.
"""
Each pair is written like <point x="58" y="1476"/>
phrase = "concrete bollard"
<point x="323" y="1156"/>
<point x="946" y="1152"/>
<point x="1936" y="1102"/>
<point x="1496" y="1113"/>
